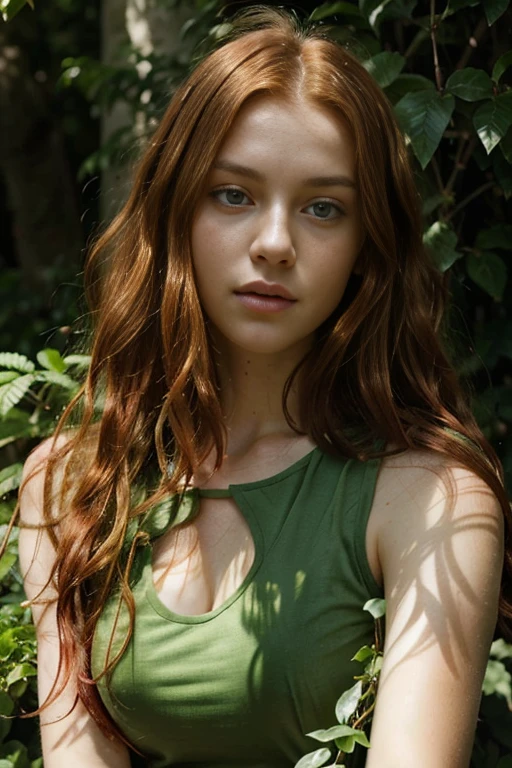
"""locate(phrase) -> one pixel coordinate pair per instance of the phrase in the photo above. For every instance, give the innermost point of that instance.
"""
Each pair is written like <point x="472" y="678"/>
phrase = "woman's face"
<point x="279" y="215"/>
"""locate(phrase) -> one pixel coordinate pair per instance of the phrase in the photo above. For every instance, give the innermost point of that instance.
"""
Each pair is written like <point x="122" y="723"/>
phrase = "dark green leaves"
<point x="385" y="67"/>
<point x="470" y="84"/>
<point x="331" y="9"/>
<point x="424" y="116"/>
<point x="502" y="64"/>
<point x="494" y="9"/>
<point x="9" y="8"/>
<point x="488" y="270"/>
<point x="493" y="119"/>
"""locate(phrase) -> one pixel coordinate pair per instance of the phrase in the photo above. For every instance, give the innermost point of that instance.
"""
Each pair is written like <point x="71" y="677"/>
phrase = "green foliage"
<point x="355" y="706"/>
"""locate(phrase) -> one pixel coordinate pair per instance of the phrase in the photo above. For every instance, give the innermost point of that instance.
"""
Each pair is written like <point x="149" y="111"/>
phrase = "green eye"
<point x="324" y="210"/>
<point x="231" y="196"/>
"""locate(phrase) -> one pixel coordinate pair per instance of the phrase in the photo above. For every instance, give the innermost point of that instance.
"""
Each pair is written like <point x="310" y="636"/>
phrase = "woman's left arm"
<point x="440" y="546"/>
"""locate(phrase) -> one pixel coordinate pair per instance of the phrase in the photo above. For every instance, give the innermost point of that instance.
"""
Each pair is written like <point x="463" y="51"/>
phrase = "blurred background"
<point x="82" y="86"/>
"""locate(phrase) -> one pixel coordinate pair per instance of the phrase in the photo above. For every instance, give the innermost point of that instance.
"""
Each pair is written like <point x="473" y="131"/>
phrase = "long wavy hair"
<point x="150" y="399"/>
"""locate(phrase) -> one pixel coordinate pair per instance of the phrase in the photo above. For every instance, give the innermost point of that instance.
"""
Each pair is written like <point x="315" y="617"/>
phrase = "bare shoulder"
<point x="33" y="479"/>
<point x="421" y="494"/>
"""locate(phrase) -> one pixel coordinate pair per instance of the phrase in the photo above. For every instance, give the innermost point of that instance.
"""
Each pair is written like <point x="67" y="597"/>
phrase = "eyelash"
<point x="217" y="192"/>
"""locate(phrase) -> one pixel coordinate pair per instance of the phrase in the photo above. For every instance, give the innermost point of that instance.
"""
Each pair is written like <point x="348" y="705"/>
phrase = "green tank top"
<point x="242" y="685"/>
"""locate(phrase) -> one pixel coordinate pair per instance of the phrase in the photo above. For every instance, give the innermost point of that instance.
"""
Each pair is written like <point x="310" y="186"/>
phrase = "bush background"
<point x="82" y="85"/>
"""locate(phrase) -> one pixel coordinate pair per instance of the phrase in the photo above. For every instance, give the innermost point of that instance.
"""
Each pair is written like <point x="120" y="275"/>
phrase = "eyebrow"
<point x="315" y="181"/>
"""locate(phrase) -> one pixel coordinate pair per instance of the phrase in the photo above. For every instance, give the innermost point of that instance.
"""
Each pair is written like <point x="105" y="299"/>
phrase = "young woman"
<point x="270" y="434"/>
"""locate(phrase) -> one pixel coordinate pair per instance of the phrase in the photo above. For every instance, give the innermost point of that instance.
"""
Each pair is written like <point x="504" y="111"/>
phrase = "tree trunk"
<point x="148" y="28"/>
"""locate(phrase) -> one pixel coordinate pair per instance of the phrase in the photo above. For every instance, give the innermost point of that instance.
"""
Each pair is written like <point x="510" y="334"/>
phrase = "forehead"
<point x="278" y="129"/>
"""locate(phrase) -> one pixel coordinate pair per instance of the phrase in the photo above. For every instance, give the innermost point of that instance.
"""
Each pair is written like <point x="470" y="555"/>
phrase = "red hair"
<point x="151" y="395"/>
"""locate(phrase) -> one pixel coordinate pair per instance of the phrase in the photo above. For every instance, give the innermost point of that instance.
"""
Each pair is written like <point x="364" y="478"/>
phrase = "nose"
<point x="273" y="240"/>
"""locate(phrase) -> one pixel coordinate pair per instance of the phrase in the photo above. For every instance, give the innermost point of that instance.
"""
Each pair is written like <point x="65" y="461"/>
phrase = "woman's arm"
<point x="67" y="739"/>
<point x="440" y="543"/>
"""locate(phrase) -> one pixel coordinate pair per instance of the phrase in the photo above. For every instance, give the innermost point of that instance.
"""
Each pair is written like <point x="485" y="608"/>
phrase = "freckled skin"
<point x="280" y="229"/>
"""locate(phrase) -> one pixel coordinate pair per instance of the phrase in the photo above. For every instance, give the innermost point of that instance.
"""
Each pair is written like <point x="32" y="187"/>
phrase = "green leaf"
<point x="331" y="9"/>
<point x="9" y="8"/>
<point x="376" y="11"/>
<point x="16" y="753"/>
<point x="329" y="734"/>
<point x="363" y="653"/>
<point x="348" y="701"/>
<point x="51" y="359"/>
<point x="346" y="744"/>
<point x="6" y="563"/>
<point x="503" y="173"/>
<point x="376" y="606"/>
<point x="20" y="672"/>
<point x="81" y="361"/>
<point x="12" y="393"/>
<point x="470" y="84"/>
<point x="499" y="236"/>
<point x="314" y="759"/>
<point x="506" y="146"/>
<point x="6" y="704"/>
<point x="493" y="119"/>
<point x="17" y="362"/>
<point x="501" y="65"/>
<point x="498" y="680"/>
<point x="457" y="5"/>
<point x="405" y="84"/>
<point x="494" y="9"/>
<point x="60" y="379"/>
<point x="7" y="376"/>
<point x="488" y="270"/>
<point x="441" y="240"/>
<point x="10" y="478"/>
<point x="424" y="116"/>
<point x="501" y="649"/>
<point x="385" y="67"/>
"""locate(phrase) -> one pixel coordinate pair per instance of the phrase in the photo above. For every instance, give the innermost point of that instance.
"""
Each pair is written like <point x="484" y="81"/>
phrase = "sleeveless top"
<point x="243" y="684"/>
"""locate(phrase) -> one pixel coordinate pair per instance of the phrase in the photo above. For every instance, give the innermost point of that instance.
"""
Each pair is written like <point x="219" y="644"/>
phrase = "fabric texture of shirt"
<point x="243" y="684"/>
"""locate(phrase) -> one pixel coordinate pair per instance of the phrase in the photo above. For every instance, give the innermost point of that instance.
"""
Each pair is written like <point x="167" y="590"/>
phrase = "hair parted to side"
<point x="378" y="364"/>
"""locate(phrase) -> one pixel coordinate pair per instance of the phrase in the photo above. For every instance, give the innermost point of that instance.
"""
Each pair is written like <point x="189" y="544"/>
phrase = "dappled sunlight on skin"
<point x="432" y="598"/>
<point x="198" y="566"/>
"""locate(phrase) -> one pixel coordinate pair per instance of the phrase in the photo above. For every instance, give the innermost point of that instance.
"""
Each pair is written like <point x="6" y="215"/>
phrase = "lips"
<point x="261" y="288"/>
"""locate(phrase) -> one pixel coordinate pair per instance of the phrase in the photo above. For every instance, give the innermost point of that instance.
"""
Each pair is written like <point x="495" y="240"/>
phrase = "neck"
<point x="251" y="394"/>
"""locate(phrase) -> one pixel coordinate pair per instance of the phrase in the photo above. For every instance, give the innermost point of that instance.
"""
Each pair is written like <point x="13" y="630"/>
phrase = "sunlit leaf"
<point x="363" y="653"/>
<point x="489" y="271"/>
<point x="51" y="359"/>
<point x="60" y="379"/>
<point x="314" y="759"/>
<point x="12" y="393"/>
<point x="493" y="119"/>
<point x="80" y="361"/>
<point x="441" y="240"/>
<point x="10" y="478"/>
<point x="9" y="8"/>
<point x="470" y="84"/>
<point x="385" y="67"/>
<point x="376" y="606"/>
<point x="498" y="680"/>
<point x="424" y="116"/>
<point x="16" y="362"/>
<point x="348" y="701"/>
